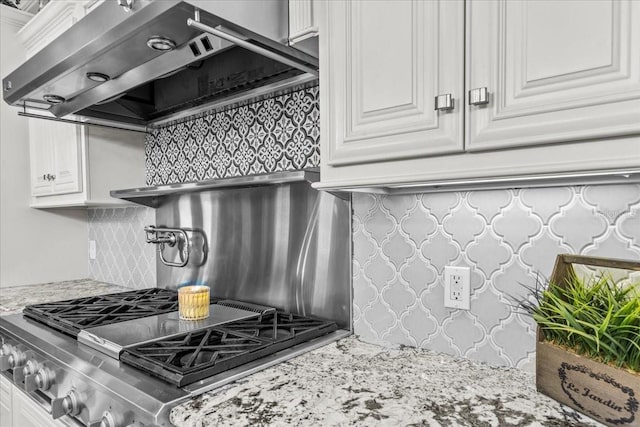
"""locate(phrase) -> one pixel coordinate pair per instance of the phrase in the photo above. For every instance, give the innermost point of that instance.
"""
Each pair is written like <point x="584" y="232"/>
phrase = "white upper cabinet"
<point x="75" y="165"/>
<point x="539" y="88"/>
<point x="53" y="20"/>
<point x="382" y="67"/>
<point x="56" y="162"/>
<point x="555" y="71"/>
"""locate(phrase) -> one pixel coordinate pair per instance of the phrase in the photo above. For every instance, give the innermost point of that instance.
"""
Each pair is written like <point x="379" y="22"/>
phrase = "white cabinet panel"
<point x="556" y="71"/>
<point x="55" y="158"/>
<point x="383" y="64"/>
<point x="6" y="405"/>
<point x="86" y="163"/>
<point x="42" y="159"/>
<point x="67" y="155"/>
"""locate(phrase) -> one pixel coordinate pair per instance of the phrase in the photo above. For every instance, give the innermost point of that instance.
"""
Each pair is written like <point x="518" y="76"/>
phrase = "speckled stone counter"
<point x="14" y="299"/>
<point x="358" y="384"/>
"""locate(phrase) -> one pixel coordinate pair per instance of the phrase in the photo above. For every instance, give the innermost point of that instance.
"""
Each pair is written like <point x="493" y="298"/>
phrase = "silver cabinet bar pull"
<point x="444" y="102"/>
<point x="479" y="96"/>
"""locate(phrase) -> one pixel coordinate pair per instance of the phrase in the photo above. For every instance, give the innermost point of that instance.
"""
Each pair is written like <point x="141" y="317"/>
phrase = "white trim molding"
<point x="14" y="17"/>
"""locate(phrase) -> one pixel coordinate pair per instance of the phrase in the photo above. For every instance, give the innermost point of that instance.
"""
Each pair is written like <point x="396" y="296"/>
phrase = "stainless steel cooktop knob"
<point x="41" y="380"/>
<point x="109" y="420"/>
<point x="6" y="349"/>
<point x="44" y="379"/>
<point x="16" y="359"/>
<point x="68" y="405"/>
<point x="29" y="368"/>
<point x="5" y="353"/>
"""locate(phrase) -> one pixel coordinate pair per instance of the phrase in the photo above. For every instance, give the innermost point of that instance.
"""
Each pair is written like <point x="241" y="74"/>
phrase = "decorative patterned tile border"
<point x="272" y="135"/>
<point x="507" y="238"/>
<point x="122" y="256"/>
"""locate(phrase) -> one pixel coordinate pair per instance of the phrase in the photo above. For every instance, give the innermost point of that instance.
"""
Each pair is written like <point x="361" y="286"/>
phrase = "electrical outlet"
<point x="457" y="287"/>
<point x="92" y="249"/>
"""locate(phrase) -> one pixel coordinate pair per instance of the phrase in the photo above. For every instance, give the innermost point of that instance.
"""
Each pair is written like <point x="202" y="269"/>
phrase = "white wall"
<point x="36" y="246"/>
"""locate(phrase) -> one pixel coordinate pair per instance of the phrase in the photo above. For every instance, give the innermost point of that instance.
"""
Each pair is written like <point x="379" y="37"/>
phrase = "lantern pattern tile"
<point x="509" y="238"/>
<point x="122" y="256"/>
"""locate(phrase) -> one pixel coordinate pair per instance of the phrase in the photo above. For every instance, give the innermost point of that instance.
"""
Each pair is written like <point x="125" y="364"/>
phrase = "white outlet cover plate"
<point x="464" y="303"/>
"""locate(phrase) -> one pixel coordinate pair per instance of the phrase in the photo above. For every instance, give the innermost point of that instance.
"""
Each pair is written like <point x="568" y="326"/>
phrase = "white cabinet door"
<point x="6" y="405"/>
<point x="382" y="65"/>
<point x="67" y="160"/>
<point x="556" y="71"/>
<point x="42" y="159"/>
<point x="55" y="158"/>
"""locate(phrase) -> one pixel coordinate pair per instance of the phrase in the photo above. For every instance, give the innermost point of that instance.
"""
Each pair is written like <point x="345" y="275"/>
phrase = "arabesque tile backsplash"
<point x="122" y="255"/>
<point x="507" y="237"/>
<point x="401" y="243"/>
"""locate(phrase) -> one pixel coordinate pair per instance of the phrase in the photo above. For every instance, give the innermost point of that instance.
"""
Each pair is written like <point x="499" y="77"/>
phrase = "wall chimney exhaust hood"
<point x="149" y="61"/>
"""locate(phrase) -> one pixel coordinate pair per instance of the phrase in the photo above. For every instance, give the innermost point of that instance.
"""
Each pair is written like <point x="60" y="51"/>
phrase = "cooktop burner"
<point x="71" y="316"/>
<point x="192" y="356"/>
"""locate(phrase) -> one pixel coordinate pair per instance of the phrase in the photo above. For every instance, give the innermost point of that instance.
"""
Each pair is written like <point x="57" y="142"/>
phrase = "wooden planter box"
<point x="602" y="392"/>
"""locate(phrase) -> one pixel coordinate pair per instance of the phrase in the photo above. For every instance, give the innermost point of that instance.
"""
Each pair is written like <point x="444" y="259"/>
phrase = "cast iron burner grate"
<point x="193" y="356"/>
<point x="71" y="316"/>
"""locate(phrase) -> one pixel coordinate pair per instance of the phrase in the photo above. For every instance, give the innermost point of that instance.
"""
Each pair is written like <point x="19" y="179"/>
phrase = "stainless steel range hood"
<point x="215" y="51"/>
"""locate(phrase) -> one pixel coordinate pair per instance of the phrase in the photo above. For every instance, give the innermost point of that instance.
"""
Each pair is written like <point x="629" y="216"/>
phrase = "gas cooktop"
<point x="142" y="329"/>
<point x="158" y="360"/>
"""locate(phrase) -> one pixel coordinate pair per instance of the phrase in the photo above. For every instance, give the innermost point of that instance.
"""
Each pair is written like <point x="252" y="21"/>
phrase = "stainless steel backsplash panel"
<point x="285" y="245"/>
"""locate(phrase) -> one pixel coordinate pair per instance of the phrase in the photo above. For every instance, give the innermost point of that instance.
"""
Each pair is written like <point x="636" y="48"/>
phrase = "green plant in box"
<point x="588" y="341"/>
<point x="596" y="317"/>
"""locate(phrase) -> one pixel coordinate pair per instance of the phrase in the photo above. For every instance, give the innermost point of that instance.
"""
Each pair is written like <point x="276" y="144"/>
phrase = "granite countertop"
<point x="358" y="384"/>
<point x="351" y="383"/>
<point x="14" y="299"/>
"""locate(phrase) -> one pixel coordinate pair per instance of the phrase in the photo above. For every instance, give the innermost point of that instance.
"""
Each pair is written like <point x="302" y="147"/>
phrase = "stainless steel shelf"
<point x="152" y="196"/>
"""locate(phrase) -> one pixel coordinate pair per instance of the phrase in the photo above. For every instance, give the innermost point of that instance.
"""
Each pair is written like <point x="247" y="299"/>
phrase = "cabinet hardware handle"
<point x="53" y="177"/>
<point x="444" y="102"/>
<point x="44" y="177"/>
<point x="479" y="96"/>
<point x="127" y="5"/>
